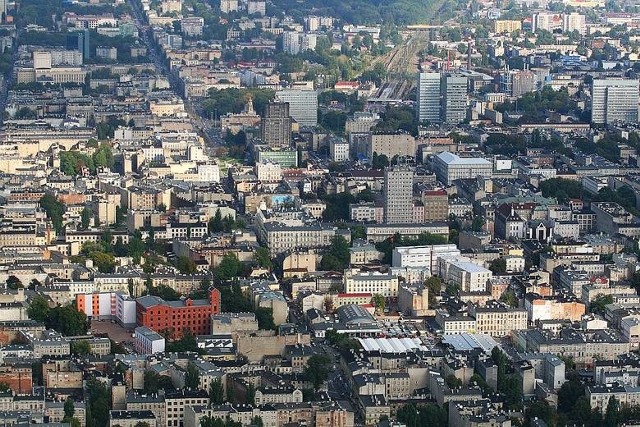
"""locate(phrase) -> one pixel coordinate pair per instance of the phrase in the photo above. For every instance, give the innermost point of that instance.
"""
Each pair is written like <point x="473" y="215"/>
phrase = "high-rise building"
<point x="80" y="40"/>
<point x="398" y="194"/>
<point x="516" y="83"/>
<point x="227" y="6"/>
<point x="291" y="42"/>
<point x="454" y="98"/>
<point x="276" y="124"/>
<point x="614" y="100"/>
<point x="574" y="22"/>
<point x="428" y="97"/>
<point x="303" y="105"/>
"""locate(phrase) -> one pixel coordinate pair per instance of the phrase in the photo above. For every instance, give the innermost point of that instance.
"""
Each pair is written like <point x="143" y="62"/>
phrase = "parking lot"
<point x="116" y="332"/>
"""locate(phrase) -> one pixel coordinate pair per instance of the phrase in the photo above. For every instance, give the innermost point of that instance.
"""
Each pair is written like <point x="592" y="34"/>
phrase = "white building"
<point x="108" y="305"/>
<point x="268" y="172"/>
<point x="422" y="256"/>
<point x="448" y="167"/>
<point x="148" y="341"/>
<point x="371" y="282"/>
<point x="463" y="273"/>
<point x="339" y="150"/>
<point x="614" y="100"/>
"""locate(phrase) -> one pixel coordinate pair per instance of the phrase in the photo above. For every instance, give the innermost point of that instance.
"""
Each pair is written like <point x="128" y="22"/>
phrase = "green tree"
<point x="186" y="265"/>
<point x="264" y="316"/>
<point x="317" y="369"/>
<point x="263" y="258"/>
<point x="453" y="382"/>
<point x="69" y="408"/>
<point x="215" y="223"/>
<point x="337" y="256"/>
<point x="598" y="305"/>
<point x="216" y="392"/>
<point x="250" y="397"/>
<point x="38" y="309"/>
<point x="379" y="302"/>
<point x="192" y="377"/>
<point x="165" y="292"/>
<point x="14" y="283"/>
<point x="85" y="217"/>
<point x="81" y="347"/>
<point x="229" y="267"/>
<point x="541" y="410"/>
<point x="153" y="382"/>
<point x="498" y="266"/>
<point x="54" y="210"/>
<point x="509" y="298"/>
<point x="613" y="412"/>
<point x="68" y="321"/>
<point x="103" y="157"/>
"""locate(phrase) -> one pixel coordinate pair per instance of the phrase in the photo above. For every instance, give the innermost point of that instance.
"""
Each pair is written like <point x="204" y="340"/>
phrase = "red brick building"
<point x="174" y="316"/>
<point x="18" y="376"/>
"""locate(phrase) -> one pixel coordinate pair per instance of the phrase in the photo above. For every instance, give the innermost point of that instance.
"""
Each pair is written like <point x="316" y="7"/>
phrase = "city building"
<point x="176" y="316"/>
<point x="454" y="98"/>
<point x="303" y="105"/>
<point x="614" y="100"/>
<point x="428" y="97"/>
<point x="448" y="167"/>
<point x="276" y="125"/>
<point x="398" y="194"/>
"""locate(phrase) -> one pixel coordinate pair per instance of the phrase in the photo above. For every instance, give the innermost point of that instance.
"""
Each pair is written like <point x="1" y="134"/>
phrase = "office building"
<point x="448" y="167"/>
<point x="454" y="98"/>
<point x="303" y="105"/>
<point x="428" y="97"/>
<point x="398" y="194"/>
<point x="614" y="100"/>
<point x="276" y="125"/>
<point x="80" y="40"/>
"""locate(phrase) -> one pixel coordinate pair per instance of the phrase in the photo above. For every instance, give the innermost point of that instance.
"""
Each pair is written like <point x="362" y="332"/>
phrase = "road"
<point x="206" y="127"/>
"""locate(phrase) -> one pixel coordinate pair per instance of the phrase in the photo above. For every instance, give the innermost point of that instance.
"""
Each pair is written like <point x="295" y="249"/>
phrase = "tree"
<point x="81" y="347"/>
<point x="54" y="210"/>
<point x="509" y="298"/>
<point x="263" y="258"/>
<point x="317" y="370"/>
<point x="68" y="321"/>
<point x="216" y="392"/>
<point x="14" y="283"/>
<point x="186" y="265"/>
<point x="264" y="316"/>
<point x="192" y="377"/>
<point x="250" y="397"/>
<point x="612" y="413"/>
<point x="378" y="302"/>
<point x="540" y="409"/>
<point x="69" y="408"/>
<point x="85" y="217"/>
<point x="498" y="266"/>
<point x="598" y="305"/>
<point x="38" y="309"/>
<point x="337" y="256"/>
<point x="434" y="285"/>
<point x="229" y="267"/>
<point x="453" y="382"/>
<point x="153" y="382"/>
<point x="215" y="223"/>
<point x="569" y="394"/>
